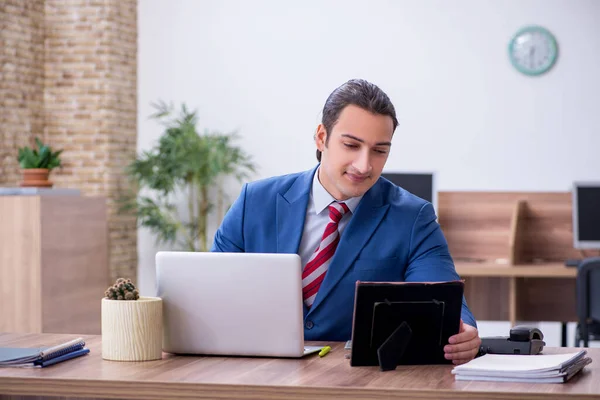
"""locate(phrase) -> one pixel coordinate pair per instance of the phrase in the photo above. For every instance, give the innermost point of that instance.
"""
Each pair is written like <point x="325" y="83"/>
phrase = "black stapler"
<point x="522" y="340"/>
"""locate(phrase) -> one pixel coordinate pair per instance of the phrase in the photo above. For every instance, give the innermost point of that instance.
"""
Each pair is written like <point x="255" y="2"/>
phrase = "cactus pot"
<point x="132" y="330"/>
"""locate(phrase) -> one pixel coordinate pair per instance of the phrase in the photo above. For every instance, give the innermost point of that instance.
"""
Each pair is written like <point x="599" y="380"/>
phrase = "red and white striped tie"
<point x="316" y="268"/>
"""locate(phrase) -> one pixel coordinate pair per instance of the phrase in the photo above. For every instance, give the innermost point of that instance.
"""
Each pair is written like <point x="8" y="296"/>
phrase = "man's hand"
<point x="464" y="345"/>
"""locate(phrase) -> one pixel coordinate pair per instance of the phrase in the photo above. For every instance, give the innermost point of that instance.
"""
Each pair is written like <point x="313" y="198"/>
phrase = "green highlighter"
<point x="324" y="351"/>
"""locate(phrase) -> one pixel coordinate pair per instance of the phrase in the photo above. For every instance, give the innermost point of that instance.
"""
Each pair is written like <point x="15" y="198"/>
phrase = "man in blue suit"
<point x="345" y="221"/>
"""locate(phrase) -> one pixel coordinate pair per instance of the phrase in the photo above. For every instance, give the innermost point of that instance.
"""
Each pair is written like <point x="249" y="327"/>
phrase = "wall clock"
<point x="533" y="50"/>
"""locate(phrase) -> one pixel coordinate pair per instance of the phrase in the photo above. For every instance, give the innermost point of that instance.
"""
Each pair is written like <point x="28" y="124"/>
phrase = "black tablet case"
<point x="404" y="323"/>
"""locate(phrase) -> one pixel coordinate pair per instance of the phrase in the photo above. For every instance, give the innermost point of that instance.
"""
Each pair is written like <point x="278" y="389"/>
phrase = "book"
<point x="541" y="368"/>
<point x="42" y="357"/>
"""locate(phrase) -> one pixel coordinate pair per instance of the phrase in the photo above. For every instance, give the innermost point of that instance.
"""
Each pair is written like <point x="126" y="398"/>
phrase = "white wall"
<point x="265" y="67"/>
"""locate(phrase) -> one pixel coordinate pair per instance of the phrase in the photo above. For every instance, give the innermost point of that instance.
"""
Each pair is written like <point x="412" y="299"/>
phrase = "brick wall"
<point x="82" y="55"/>
<point x="21" y="80"/>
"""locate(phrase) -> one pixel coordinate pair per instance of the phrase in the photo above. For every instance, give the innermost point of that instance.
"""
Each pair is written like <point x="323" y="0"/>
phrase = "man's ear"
<point x="321" y="137"/>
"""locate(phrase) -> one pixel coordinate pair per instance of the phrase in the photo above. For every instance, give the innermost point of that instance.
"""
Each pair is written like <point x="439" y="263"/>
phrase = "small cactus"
<point x="123" y="289"/>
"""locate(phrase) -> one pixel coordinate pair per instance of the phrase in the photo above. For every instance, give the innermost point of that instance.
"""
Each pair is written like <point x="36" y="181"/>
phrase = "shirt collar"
<point x="322" y="199"/>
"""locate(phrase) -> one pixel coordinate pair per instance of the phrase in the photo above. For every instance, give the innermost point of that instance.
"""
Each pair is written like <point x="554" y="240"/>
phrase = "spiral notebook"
<point x="44" y="356"/>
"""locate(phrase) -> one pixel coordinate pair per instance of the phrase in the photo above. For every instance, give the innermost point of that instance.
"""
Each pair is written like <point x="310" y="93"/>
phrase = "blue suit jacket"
<point x="392" y="236"/>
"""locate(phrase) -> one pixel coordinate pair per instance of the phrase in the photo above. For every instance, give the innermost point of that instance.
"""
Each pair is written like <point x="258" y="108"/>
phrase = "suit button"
<point x="309" y="324"/>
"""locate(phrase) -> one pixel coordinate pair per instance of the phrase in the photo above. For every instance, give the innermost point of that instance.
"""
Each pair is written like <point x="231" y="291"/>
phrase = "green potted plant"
<point x="36" y="164"/>
<point x="132" y="327"/>
<point x="184" y="162"/>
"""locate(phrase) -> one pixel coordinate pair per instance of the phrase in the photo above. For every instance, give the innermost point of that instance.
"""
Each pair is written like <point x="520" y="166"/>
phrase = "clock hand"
<point x="531" y="55"/>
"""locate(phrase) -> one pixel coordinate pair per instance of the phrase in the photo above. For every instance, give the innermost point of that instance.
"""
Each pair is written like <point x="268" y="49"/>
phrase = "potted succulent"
<point x="132" y="327"/>
<point x="36" y="164"/>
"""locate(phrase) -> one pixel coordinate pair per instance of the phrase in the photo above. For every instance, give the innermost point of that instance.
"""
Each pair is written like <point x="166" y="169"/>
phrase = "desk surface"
<point x="186" y="377"/>
<point x="491" y="269"/>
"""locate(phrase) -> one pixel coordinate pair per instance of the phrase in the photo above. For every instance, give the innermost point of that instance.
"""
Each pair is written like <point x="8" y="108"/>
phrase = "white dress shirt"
<point x="317" y="218"/>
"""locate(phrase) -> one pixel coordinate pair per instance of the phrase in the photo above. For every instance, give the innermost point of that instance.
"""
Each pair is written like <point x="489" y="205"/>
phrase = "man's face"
<point x="354" y="156"/>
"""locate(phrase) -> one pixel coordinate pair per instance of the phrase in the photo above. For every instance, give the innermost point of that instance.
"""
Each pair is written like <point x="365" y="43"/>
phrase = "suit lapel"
<point x="359" y="230"/>
<point x="291" y="212"/>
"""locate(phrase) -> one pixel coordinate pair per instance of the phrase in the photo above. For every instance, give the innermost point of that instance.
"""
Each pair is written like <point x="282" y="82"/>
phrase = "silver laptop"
<point x="242" y="304"/>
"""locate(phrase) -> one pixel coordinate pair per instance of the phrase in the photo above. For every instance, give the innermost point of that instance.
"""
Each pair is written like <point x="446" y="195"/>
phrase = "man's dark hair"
<point x="360" y="93"/>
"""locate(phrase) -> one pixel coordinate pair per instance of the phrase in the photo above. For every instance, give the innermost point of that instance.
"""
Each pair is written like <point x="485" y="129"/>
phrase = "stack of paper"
<point x="554" y="368"/>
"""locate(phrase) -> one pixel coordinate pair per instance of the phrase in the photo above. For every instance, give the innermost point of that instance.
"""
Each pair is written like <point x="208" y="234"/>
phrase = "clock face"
<point x="533" y="50"/>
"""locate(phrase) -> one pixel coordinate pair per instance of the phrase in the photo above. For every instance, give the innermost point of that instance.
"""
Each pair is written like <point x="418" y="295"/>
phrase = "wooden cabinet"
<point x="53" y="263"/>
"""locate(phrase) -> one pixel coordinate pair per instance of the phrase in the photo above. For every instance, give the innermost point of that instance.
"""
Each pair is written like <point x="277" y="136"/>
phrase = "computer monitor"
<point x="586" y="215"/>
<point x="419" y="184"/>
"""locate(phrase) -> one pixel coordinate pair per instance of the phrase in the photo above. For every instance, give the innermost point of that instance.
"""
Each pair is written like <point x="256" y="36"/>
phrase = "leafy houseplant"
<point x="36" y="164"/>
<point x="185" y="161"/>
<point x="131" y="324"/>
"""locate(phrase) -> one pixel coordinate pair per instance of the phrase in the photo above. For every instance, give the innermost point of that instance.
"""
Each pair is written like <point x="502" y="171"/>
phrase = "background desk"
<point x="522" y="229"/>
<point x="544" y="292"/>
<point x="177" y="377"/>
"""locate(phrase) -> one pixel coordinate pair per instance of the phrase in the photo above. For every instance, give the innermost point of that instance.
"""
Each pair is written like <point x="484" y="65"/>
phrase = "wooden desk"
<point x="177" y="377"/>
<point x="531" y="292"/>
<point x="520" y="228"/>
<point x="494" y="270"/>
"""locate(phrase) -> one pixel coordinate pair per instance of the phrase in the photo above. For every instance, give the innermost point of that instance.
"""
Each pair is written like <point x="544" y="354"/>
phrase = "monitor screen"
<point x="586" y="216"/>
<point x="418" y="184"/>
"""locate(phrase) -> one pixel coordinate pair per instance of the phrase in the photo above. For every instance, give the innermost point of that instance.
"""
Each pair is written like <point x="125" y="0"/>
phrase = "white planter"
<point x="132" y="330"/>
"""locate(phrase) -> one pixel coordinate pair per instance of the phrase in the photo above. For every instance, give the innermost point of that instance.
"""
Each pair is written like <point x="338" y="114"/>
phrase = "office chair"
<point x="588" y="301"/>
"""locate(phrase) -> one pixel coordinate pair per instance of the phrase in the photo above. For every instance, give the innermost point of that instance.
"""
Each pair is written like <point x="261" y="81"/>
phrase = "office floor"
<point x="551" y="331"/>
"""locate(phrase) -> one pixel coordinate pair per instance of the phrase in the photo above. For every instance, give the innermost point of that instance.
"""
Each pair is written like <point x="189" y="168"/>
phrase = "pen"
<point x="324" y="351"/>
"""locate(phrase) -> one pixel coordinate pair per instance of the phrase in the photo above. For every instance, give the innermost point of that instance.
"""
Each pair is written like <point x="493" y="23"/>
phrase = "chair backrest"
<point x="588" y="290"/>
